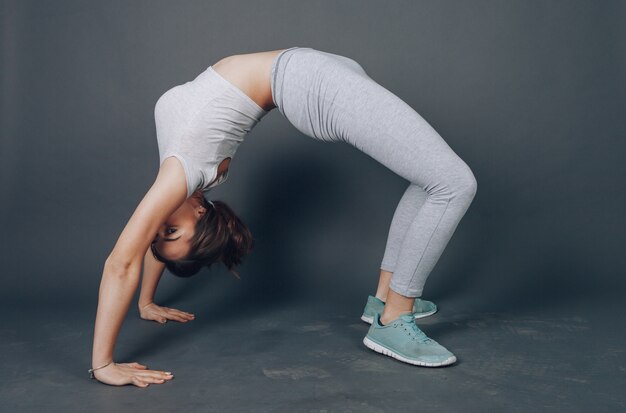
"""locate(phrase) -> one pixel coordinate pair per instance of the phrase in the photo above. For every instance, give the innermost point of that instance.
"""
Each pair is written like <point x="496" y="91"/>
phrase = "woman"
<point x="199" y="127"/>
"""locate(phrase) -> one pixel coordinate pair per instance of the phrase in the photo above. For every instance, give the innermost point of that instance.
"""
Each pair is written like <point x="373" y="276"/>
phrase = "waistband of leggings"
<point x="275" y="89"/>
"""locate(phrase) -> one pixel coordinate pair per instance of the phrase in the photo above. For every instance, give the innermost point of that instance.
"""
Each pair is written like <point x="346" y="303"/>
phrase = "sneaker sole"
<point x="370" y="320"/>
<point x="384" y="350"/>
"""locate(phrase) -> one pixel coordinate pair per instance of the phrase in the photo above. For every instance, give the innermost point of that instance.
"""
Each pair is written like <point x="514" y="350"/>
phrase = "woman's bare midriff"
<point x="251" y="73"/>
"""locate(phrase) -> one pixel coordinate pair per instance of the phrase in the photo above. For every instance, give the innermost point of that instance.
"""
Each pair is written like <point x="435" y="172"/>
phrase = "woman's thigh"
<point x="377" y="122"/>
<point x="331" y="98"/>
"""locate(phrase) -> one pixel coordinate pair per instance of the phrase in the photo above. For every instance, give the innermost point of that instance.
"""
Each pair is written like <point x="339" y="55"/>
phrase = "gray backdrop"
<point x="529" y="93"/>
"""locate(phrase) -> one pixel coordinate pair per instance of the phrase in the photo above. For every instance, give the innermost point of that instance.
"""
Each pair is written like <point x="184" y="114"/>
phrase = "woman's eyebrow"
<point x="171" y="239"/>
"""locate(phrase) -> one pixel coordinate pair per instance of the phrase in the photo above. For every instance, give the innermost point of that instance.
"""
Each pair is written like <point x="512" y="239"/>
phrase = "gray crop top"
<point x="201" y="122"/>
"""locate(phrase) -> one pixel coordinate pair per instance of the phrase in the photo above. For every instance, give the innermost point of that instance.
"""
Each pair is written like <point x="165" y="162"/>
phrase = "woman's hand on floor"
<point x="162" y="314"/>
<point x="119" y="374"/>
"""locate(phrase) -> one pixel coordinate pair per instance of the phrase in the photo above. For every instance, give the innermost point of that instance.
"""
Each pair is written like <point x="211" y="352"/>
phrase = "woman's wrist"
<point x="98" y="367"/>
<point x="141" y="304"/>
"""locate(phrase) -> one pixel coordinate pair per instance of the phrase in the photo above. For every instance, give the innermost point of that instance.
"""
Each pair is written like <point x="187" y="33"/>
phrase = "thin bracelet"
<point x="97" y="368"/>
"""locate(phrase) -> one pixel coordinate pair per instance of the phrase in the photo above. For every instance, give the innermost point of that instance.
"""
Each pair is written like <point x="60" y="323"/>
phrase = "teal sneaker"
<point x="403" y="340"/>
<point x="421" y="308"/>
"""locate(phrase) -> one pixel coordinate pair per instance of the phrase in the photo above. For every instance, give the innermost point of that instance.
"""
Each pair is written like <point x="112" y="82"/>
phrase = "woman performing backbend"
<point x="199" y="126"/>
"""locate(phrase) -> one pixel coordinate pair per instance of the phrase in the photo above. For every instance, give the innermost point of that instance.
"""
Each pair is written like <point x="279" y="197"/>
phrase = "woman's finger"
<point x="133" y="364"/>
<point x="138" y="382"/>
<point x="178" y="317"/>
<point x="175" y="316"/>
<point x="153" y="374"/>
<point x="173" y="311"/>
<point x="181" y="313"/>
<point x="171" y="317"/>
<point x="151" y="379"/>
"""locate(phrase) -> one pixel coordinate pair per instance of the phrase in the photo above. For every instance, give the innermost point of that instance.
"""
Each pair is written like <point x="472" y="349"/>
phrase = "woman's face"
<point x="173" y="240"/>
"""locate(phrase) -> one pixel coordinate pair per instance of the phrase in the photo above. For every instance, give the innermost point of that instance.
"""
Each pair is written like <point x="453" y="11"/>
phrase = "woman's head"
<point x="199" y="234"/>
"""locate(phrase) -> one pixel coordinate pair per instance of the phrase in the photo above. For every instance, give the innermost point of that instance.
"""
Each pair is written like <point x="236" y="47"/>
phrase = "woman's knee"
<point x="467" y="185"/>
<point x="457" y="182"/>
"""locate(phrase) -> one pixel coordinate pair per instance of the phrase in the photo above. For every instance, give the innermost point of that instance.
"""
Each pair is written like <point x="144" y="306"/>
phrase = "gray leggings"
<point x="330" y="97"/>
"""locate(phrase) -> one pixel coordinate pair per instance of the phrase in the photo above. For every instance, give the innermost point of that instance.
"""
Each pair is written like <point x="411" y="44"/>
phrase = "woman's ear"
<point x="200" y="210"/>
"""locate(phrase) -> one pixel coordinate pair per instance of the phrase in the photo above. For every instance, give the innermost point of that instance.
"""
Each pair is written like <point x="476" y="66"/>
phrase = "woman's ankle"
<point x="388" y="318"/>
<point x="383" y="285"/>
<point x="396" y="305"/>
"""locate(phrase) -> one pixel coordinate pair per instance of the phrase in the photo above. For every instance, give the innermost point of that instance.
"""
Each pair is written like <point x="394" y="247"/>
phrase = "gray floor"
<point x="282" y="356"/>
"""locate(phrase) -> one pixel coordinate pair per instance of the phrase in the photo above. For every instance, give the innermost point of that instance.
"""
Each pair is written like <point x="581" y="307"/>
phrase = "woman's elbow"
<point x="116" y="266"/>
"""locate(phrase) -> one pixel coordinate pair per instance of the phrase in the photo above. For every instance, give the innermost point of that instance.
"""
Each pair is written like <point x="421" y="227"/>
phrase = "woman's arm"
<point x="152" y="272"/>
<point x="148" y="310"/>
<point x="121" y="274"/>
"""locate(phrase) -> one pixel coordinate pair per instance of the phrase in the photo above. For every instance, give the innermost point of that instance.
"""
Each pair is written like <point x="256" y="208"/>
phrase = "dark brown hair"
<point x="220" y="236"/>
